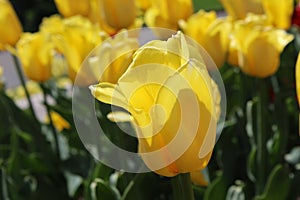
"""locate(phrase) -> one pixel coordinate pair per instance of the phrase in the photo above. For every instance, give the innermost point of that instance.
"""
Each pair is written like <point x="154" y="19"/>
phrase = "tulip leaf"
<point x="277" y="186"/>
<point x="251" y="170"/>
<point x="217" y="189"/>
<point x="250" y="126"/>
<point x="101" y="190"/>
<point x="133" y="189"/>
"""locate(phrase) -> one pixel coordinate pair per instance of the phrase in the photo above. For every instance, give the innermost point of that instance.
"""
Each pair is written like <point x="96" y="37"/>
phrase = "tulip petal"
<point x="184" y="96"/>
<point x="109" y="93"/>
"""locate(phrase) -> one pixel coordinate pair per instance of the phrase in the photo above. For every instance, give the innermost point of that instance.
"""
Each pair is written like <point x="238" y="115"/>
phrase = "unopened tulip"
<point x="165" y="86"/>
<point x="260" y="48"/>
<point x="70" y="8"/>
<point x="77" y="40"/>
<point x="279" y="12"/>
<point x="238" y="9"/>
<point x="166" y="13"/>
<point x="211" y="32"/>
<point x="298" y="78"/>
<point x="119" y="14"/>
<point x="11" y="28"/>
<point x="35" y="53"/>
<point x="113" y="58"/>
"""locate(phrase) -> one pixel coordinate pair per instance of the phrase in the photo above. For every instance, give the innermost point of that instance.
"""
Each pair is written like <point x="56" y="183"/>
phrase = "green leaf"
<point x="207" y="5"/>
<point x="217" y="189"/>
<point x="278" y="185"/>
<point x="251" y="165"/>
<point x="101" y="190"/>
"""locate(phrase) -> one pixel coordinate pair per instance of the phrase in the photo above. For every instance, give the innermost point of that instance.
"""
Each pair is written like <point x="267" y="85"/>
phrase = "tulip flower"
<point x="119" y="14"/>
<point x="166" y="14"/>
<point x="58" y="121"/>
<point x="143" y="4"/>
<point x="279" y="12"/>
<point x="75" y="40"/>
<point x="114" y="57"/>
<point x="298" y="83"/>
<point x="11" y="28"/>
<point x="252" y="20"/>
<point x="211" y="32"/>
<point x="298" y="78"/>
<point x="259" y="48"/>
<point x="238" y="9"/>
<point x="165" y="86"/>
<point x="35" y="52"/>
<point x="70" y="8"/>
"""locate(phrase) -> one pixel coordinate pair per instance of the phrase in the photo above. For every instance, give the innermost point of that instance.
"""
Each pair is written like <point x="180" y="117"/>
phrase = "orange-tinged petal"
<point x="198" y="178"/>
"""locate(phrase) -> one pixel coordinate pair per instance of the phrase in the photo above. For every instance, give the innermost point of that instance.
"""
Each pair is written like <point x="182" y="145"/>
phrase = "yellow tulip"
<point x="298" y="84"/>
<point x="119" y="14"/>
<point x="167" y="13"/>
<point x="166" y="84"/>
<point x="211" y="32"/>
<point x="198" y="178"/>
<point x="113" y="57"/>
<point x="259" y="48"/>
<point x="298" y="78"/>
<point x="143" y="4"/>
<point x="59" y="122"/>
<point x="238" y="9"/>
<point x="78" y="38"/>
<point x="279" y="12"/>
<point x="52" y="25"/>
<point x="70" y="8"/>
<point x="35" y="52"/>
<point x="11" y="28"/>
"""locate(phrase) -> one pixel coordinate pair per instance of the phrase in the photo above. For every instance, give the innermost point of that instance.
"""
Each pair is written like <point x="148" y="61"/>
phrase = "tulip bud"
<point x="279" y="12"/>
<point x="238" y="9"/>
<point x="259" y="48"/>
<point x="210" y="32"/>
<point x="119" y="14"/>
<point x="70" y="8"/>
<point x="11" y="28"/>
<point x="166" y="13"/>
<point x="298" y="78"/>
<point x="35" y="53"/>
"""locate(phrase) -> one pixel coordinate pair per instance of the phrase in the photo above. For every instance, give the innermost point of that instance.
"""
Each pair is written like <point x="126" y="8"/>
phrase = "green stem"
<point x="182" y="187"/>
<point x="22" y="80"/>
<point x="261" y="136"/>
<point x="54" y="132"/>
